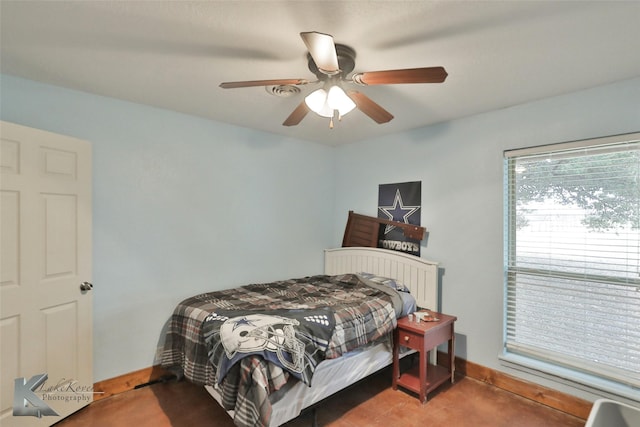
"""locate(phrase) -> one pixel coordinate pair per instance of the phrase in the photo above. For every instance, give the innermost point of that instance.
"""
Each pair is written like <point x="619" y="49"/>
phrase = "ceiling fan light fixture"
<point x="326" y="103"/>
<point x="317" y="102"/>
<point x="339" y="100"/>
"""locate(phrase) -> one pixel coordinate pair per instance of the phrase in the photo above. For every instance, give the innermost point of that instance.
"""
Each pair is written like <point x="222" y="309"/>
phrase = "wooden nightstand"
<point x="423" y="337"/>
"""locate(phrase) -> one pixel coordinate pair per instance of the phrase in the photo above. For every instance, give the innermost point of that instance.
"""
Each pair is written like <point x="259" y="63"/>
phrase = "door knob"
<point x="86" y="286"/>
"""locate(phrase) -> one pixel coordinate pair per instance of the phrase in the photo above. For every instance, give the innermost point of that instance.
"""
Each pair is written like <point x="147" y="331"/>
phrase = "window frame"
<point x="528" y="361"/>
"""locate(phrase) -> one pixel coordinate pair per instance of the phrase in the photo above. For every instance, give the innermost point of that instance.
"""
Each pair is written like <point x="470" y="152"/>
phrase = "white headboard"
<point x="419" y="275"/>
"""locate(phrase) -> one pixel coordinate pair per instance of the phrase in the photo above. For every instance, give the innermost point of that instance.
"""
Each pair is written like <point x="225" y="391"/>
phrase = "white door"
<point x="45" y="318"/>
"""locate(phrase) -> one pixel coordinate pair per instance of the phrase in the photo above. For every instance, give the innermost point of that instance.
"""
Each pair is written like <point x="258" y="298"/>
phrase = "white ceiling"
<point x="174" y="54"/>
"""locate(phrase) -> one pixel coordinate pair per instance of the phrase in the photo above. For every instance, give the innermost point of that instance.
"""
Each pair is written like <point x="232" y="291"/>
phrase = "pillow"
<point x="385" y="281"/>
<point x="409" y="304"/>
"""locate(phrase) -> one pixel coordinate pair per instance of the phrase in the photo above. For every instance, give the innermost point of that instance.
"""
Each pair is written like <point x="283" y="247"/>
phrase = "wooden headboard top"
<point x="363" y="230"/>
<point x="417" y="274"/>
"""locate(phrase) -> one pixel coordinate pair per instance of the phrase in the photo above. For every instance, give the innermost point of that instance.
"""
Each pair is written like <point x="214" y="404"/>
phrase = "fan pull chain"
<point x="331" y="120"/>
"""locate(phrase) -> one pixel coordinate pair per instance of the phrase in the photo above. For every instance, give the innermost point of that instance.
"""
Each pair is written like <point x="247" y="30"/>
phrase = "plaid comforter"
<point x="363" y="314"/>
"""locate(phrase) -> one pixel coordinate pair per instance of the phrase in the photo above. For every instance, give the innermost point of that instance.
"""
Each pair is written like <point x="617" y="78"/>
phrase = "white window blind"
<point x="572" y="256"/>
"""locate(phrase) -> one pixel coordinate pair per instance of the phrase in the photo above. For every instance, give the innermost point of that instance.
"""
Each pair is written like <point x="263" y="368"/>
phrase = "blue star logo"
<point x="398" y="211"/>
<point x="241" y="322"/>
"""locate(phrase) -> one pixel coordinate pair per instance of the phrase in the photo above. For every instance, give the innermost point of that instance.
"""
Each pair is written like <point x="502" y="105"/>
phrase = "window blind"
<point x="572" y="256"/>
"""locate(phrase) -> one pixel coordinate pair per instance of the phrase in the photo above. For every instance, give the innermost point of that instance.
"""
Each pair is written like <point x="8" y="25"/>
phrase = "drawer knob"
<point x="406" y="338"/>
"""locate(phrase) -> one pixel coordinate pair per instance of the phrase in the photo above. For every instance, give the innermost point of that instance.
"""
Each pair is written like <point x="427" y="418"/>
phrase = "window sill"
<point x="579" y="380"/>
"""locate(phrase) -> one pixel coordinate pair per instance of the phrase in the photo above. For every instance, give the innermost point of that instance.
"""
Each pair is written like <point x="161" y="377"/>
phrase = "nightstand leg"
<point x="396" y="361"/>
<point x="424" y="356"/>
<point x="452" y="355"/>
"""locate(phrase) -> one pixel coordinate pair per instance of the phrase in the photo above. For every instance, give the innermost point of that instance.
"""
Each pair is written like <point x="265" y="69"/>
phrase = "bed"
<point x="271" y="382"/>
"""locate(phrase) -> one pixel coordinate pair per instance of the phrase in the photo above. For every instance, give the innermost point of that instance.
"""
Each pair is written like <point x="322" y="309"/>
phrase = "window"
<point x="572" y="256"/>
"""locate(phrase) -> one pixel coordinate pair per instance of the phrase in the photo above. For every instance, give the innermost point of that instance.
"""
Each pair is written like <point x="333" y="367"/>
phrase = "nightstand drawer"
<point x="410" y="339"/>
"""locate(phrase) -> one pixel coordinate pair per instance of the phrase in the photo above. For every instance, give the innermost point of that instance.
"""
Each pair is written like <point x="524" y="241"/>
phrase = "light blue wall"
<point x="460" y="165"/>
<point x="181" y="205"/>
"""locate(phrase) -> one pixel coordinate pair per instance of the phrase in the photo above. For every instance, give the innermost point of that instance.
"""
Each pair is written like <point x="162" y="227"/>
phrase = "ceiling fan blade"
<point x="322" y="50"/>
<point x="409" y="75"/>
<point x="370" y="108"/>
<point x="297" y="115"/>
<point x="250" y="83"/>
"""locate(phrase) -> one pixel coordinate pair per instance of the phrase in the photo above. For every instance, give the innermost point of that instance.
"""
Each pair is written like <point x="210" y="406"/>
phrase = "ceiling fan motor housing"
<point x="346" y="62"/>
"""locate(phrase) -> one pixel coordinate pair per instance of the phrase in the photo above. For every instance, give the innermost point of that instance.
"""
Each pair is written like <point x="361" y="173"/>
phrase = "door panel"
<point x="45" y="320"/>
<point x="60" y="225"/>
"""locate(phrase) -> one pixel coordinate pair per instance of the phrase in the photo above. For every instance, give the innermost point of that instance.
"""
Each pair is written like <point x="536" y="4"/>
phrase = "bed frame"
<point x="419" y="275"/>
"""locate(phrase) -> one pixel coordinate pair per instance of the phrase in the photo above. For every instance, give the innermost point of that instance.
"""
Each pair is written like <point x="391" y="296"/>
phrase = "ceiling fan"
<point x="331" y="63"/>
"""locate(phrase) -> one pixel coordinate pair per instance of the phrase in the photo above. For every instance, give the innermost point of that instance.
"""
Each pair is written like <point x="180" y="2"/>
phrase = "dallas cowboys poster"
<point x="399" y="202"/>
